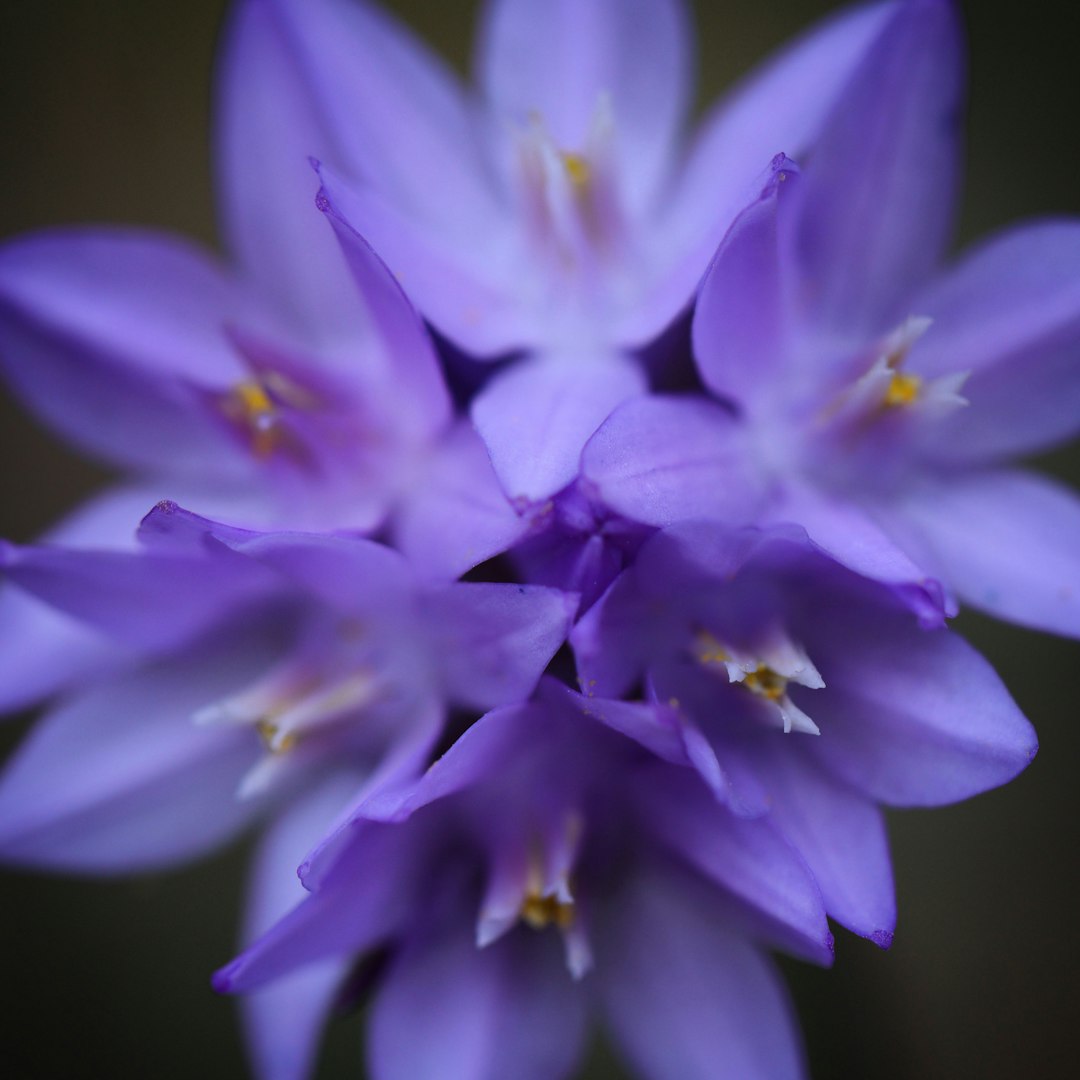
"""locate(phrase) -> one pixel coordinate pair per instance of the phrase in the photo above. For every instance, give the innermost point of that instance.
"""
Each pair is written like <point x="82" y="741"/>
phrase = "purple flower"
<point x="249" y="668"/>
<point x="274" y="678"/>
<point x="542" y="868"/>
<point x="875" y="398"/>
<point x="802" y="692"/>
<point x="570" y="216"/>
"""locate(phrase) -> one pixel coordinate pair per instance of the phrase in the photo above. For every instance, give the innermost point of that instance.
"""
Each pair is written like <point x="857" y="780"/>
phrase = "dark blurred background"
<point x="105" y="110"/>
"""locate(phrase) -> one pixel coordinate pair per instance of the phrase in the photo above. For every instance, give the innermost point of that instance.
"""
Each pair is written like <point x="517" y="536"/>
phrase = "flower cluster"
<point x="564" y="634"/>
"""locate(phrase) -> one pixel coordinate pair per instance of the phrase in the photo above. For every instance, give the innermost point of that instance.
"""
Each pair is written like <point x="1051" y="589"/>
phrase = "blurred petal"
<point x="780" y="109"/>
<point x="1007" y="542"/>
<point x="509" y="1010"/>
<point x="1009" y="314"/>
<point x="283" y="1021"/>
<point x="457" y="516"/>
<point x="661" y="460"/>
<point x="120" y="779"/>
<point x="880" y="187"/>
<point x="687" y="998"/>
<point x="401" y="359"/>
<point x="349" y="574"/>
<point x="494" y="640"/>
<point x="537" y="415"/>
<point x="395" y="112"/>
<point x="465" y="287"/>
<point x="147" y="600"/>
<point x="354" y="910"/>
<point x="558" y="59"/>
<point x="739" y="330"/>
<point x="270" y="121"/>
<point x="105" y="334"/>
<point x="46" y="649"/>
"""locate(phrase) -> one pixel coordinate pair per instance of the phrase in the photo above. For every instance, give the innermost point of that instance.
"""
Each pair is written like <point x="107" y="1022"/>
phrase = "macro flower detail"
<point x="876" y="396"/>
<point x="804" y="693"/>
<point x="540" y="531"/>
<point x="575" y="224"/>
<point x="508" y="866"/>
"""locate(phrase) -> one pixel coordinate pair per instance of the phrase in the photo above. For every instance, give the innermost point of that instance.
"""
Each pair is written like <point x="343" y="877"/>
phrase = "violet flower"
<point x="802" y="692"/>
<point x="878" y="399"/>
<point x="559" y="208"/>
<point x="543" y="868"/>
<point x="291" y="675"/>
<point x="319" y="650"/>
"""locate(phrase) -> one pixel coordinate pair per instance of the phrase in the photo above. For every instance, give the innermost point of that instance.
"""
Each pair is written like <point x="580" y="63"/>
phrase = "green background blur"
<point x="105" y="109"/>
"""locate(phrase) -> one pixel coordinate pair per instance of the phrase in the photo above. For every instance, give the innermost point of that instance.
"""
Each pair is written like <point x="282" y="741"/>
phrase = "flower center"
<point x="257" y="409"/>
<point x="766" y="676"/>
<point x="569" y="196"/>
<point x="902" y="390"/>
<point x="540" y="912"/>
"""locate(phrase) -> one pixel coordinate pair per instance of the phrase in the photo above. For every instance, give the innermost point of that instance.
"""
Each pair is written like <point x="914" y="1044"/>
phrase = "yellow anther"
<point x="903" y="390"/>
<point x="251" y="396"/>
<point x="577" y="168"/>
<point x="249" y="405"/>
<point x="708" y="650"/>
<point x="269" y="733"/>
<point x="766" y="683"/>
<point x="540" y="912"/>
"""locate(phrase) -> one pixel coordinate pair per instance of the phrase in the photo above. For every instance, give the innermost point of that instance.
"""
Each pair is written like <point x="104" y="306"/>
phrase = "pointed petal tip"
<point x="223" y="981"/>
<point x="883" y="939"/>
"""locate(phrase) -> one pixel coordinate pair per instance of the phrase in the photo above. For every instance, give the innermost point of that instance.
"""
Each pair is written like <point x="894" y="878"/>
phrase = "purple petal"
<point x="839" y="833"/>
<point x="686" y="997"/>
<point x="145" y="600"/>
<point x="457" y="516"/>
<point x="615" y="639"/>
<point x="740" y="330"/>
<point x="353" y="911"/>
<point x="749" y="859"/>
<point x="283" y="1021"/>
<point x="494" y="641"/>
<point x="880" y="188"/>
<point x="507" y="1010"/>
<point x="459" y="284"/>
<point x="912" y="717"/>
<point x="558" y="59"/>
<point x="401" y="360"/>
<point x="104" y="335"/>
<point x="120" y="779"/>
<point x="849" y="535"/>
<point x="394" y="112"/>
<point x="45" y="649"/>
<point x="779" y="110"/>
<point x="1007" y="542"/>
<point x="269" y="123"/>
<point x="1009" y="314"/>
<point x="348" y="574"/>
<point x="537" y="415"/>
<point x="661" y="460"/>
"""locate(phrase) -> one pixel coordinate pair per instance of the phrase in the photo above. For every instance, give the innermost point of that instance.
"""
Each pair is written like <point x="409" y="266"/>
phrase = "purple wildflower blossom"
<point x="290" y="676"/>
<point x="569" y="218"/>
<point x="749" y="695"/>
<point x="805" y="693"/>
<point x="283" y="658"/>
<point x="544" y="866"/>
<point x="876" y="398"/>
